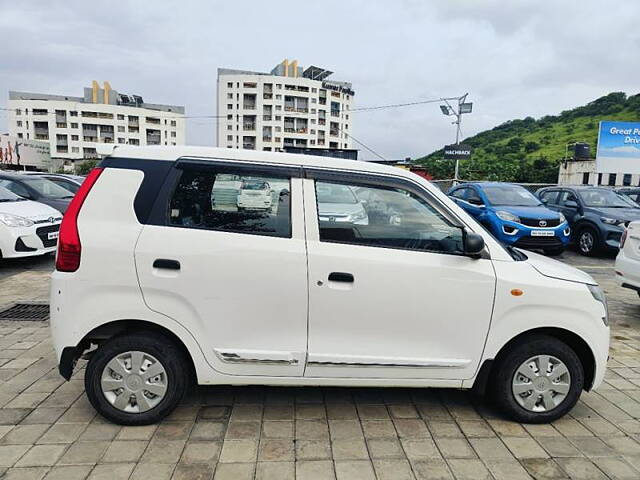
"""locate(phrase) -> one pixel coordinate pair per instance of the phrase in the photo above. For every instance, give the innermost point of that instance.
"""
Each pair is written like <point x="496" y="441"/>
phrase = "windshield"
<point x="510" y="195"/>
<point x="47" y="188"/>
<point x="603" y="198"/>
<point x="334" y="193"/>
<point x="9" y="196"/>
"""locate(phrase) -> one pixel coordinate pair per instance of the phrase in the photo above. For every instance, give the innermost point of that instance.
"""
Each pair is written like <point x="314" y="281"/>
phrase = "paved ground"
<point x="49" y="430"/>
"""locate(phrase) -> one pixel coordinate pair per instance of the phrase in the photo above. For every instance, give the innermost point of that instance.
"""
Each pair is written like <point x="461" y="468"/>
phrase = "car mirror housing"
<point x="571" y="204"/>
<point x="473" y="244"/>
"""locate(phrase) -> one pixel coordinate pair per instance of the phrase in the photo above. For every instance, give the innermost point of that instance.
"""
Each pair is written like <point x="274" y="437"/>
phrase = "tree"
<point x="85" y="167"/>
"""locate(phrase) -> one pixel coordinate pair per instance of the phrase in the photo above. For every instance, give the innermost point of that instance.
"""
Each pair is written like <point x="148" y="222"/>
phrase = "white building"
<point x="74" y="126"/>
<point x="583" y="172"/>
<point x="288" y="107"/>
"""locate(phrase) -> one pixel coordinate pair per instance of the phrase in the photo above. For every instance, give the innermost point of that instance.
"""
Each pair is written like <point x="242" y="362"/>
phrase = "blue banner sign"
<point x="618" y="147"/>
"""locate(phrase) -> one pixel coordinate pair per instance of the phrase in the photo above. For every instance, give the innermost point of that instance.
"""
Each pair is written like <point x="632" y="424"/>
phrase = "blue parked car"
<point x="514" y="215"/>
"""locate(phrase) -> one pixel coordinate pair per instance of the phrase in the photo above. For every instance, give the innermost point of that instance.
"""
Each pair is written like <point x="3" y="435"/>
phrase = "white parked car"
<point x="628" y="260"/>
<point x="254" y="194"/>
<point x="160" y="286"/>
<point x="27" y="228"/>
<point x="338" y="203"/>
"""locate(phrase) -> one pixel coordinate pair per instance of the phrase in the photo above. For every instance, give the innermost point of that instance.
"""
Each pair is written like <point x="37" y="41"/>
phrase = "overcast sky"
<point x="515" y="58"/>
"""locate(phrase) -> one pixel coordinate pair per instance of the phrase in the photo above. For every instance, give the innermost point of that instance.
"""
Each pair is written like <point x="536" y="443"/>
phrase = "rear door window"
<point x="239" y="202"/>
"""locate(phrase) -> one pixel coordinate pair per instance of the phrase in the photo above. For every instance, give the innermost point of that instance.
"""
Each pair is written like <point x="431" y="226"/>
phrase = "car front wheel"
<point x="136" y="379"/>
<point x="538" y="380"/>
<point x="587" y="241"/>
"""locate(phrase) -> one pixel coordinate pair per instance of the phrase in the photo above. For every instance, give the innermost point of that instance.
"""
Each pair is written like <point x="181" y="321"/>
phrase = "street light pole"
<point x="463" y="107"/>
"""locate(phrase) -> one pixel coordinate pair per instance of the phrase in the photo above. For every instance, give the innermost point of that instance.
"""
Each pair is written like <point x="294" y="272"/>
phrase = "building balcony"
<point x="322" y="121"/>
<point x="333" y="133"/>
<point x="320" y="141"/>
<point x="61" y="125"/>
<point x="39" y="112"/>
<point x="267" y="96"/>
<point x="248" y="106"/>
<point x="267" y="139"/>
<point x="249" y="126"/>
<point x="42" y="136"/>
<point x="267" y="118"/>
<point x="249" y="146"/>
<point x="152" y="120"/>
<point x="89" y="139"/>
<point x="302" y="110"/>
<point x="335" y="113"/>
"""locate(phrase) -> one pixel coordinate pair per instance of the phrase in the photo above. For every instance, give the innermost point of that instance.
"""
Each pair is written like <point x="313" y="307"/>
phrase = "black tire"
<point x="164" y="350"/>
<point x="520" y="352"/>
<point x="582" y="247"/>
<point x="553" y="252"/>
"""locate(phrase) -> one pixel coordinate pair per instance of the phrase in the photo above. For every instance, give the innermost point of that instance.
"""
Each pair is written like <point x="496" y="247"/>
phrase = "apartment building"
<point x="74" y="126"/>
<point x="287" y="107"/>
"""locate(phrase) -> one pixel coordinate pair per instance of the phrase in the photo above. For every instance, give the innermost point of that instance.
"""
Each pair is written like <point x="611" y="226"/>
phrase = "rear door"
<point x="236" y="279"/>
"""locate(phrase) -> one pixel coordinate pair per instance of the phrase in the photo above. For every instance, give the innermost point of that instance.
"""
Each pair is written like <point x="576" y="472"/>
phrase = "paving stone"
<point x="617" y="468"/>
<point x="68" y="472"/>
<point x="342" y="412"/>
<point x="507" y="470"/>
<point x="377" y="429"/>
<point x="235" y="471"/>
<point x="392" y="469"/>
<point x="311" y="430"/>
<point x="623" y="445"/>
<point x="349" y="449"/>
<point x="152" y="471"/>
<point x="559" y="447"/>
<point x="314" y="470"/>
<point x="581" y="468"/>
<point x="136" y="433"/>
<point x="341" y="429"/>
<point x="239" y="451"/>
<point x="523" y="447"/>
<point x="455" y="448"/>
<point x="24" y="434"/>
<point x="173" y="431"/>
<point x="27" y="473"/>
<point x="277" y="429"/>
<point x="275" y="471"/>
<point x="354" y="470"/>
<point x="163" y="451"/>
<point x="592" y="447"/>
<point x="9" y="454"/>
<point x="490" y="449"/>
<point x="13" y="416"/>
<point x="84" y="453"/>
<point x="432" y="469"/>
<point x="41" y="456"/>
<point x="113" y="471"/>
<point x="243" y="431"/>
<point x="468" y="469"/>
<point x="313" y="449"/>
<point x="121" y="451"/>
<point x="411" y="428"/>
<point x="419" y="449"/>
<point x="276" y="450"/>
<point x="373" y="412"/>
<point x="62" y="433"/>
<point x="543" y="468"/>
<point x="193" y="472"/>
<point x="279" y="412"/>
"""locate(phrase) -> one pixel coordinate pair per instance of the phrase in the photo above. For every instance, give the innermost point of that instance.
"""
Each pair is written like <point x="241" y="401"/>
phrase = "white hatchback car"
<point x="628" y="260"/>
<point x="157" y="285"/>
<point x="27" y="228"/>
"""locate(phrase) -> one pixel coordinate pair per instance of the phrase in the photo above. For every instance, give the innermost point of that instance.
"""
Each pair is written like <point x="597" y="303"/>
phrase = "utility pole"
<point x="462" y="107"/>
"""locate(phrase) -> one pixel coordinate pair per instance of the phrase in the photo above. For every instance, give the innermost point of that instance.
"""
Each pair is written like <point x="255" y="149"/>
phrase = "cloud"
<point x="515" y="58"/>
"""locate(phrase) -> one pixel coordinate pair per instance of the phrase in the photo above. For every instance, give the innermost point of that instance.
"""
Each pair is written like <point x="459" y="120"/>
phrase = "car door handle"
<point x="166" y="263"/>
<point x="341" y="277"/>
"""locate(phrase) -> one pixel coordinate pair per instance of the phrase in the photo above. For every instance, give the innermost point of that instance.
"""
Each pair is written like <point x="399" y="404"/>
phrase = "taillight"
<point x="69" y="248"/>
<point x="623" y="238"/>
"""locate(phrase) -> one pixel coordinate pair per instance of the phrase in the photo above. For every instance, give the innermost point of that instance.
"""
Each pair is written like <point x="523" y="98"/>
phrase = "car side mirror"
<point x="473" y="244"/>
<point x="476" y="202"/>
<point x="571" y="204"/>
<point x="544" y="200"/>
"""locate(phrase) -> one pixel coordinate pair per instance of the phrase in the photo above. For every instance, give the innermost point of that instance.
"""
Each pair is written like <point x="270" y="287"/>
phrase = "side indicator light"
<point x="516" y="292"/>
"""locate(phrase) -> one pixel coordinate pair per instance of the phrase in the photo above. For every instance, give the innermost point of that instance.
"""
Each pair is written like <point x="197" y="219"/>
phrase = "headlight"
<point x="562" y="219"/>
<point x="611" y="221"/>
<point x="507" y="216"/>
<point x="14" y="220"/>
<point x="598" y="294"/>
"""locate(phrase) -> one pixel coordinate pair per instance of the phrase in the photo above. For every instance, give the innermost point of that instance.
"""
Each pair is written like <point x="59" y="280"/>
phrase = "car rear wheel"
<point x="587" y="241"/>
<point x="538" y="380"/>
<point x="136" y="379"/>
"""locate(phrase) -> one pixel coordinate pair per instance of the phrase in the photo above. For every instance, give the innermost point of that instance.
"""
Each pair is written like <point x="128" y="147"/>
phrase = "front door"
<point x="232" y="271"/>
<point x="390" y="294"/>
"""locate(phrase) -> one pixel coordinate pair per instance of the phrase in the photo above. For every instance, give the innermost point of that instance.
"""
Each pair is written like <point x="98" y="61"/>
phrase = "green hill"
<point x="530" y="150"/>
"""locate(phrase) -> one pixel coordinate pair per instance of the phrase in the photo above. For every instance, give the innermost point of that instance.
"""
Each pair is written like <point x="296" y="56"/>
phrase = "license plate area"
<point x="542" y="233"/>
<point x="52" y="235"/>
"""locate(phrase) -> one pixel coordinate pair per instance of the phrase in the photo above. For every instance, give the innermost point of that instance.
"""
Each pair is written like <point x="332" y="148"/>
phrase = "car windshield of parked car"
<point x="335" y="193"/>
<point x="603" y="198"/>
<point x="47" y="188"/>
<point x="9" y="196"/>
<point x="510" y="195"/>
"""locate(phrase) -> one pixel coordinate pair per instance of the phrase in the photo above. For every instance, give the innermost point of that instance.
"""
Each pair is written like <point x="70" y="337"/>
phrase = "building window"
<point x="278" y="86"/>
<point x="121" y="128"/>
<point x="19" y="135"/>
<point x="120" y="140"/>
<point x="75" y="137"/>
<point x="75" y="149"/>
<point x="229" y="106"/>
<point x="278" y="97"/>
<point x="173" y="123"/>
<point x="229" y="84"/>
<point x="599" y="179"/>
<point x="19" y="123"/>
<point x="229" y="127"/>
<point x="626" y="180"/>
<point x="173" y="134"/>
<point x="120" y="117"/>
<point x="585" y="178"/>
<point x="18" y="111"/>
<point x="230" y="96"/>
<point x="73" y="113"/>
<point x="230" y="117"/>
<point x="229" y="138"/>
<point x="612" y="179"/>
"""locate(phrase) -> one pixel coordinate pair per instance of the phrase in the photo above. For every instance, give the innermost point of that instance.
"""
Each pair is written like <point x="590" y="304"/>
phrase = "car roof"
<point x="172" y="153"/>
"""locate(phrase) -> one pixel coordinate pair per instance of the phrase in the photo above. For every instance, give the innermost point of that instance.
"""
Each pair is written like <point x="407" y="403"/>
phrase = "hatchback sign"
<point x="457" y="152"/>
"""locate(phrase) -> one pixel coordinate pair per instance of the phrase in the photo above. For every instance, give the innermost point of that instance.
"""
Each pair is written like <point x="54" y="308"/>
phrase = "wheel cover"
<point x="134" y="382"/>
<point x="541" y="383"/>
<point x="586" y="241"/>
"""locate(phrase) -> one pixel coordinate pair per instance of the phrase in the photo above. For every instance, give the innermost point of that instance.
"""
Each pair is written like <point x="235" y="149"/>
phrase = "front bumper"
<point x="519" y="235"/>
<point x="611" y="236"/>
<point x="28" y="241"/>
